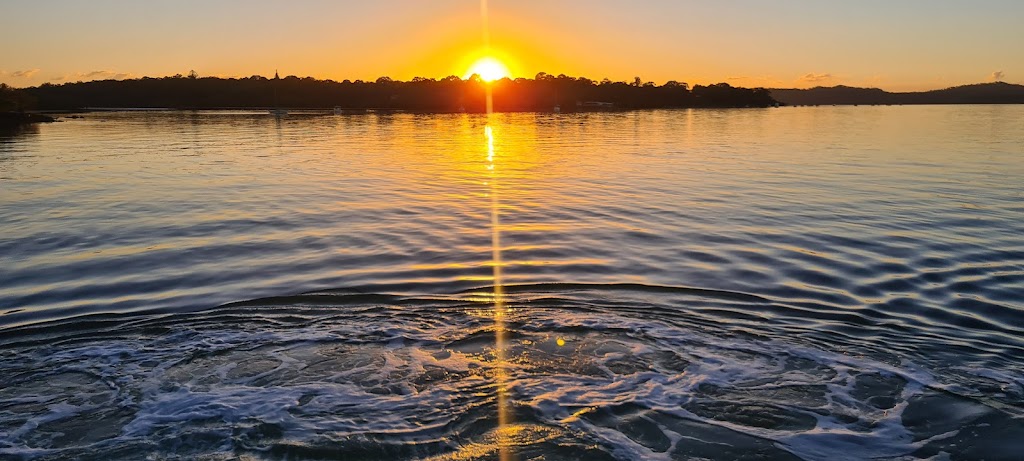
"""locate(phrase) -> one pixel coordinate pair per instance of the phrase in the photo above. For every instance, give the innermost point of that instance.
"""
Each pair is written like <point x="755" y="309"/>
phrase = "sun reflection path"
<point x="504" y="439"/>
<point x="500" y="361"/>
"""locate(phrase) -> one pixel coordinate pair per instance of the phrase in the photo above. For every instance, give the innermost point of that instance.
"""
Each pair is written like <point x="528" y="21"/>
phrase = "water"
<point x="796" y="283"/>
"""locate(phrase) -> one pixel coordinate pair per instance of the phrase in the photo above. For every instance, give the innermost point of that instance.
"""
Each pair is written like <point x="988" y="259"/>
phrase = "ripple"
<point x="769" y="230"/>
<point x="591" y="369"/>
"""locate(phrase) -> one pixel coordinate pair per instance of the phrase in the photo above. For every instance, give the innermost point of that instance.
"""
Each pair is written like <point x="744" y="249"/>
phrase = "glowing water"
<point x="836" y="283"/>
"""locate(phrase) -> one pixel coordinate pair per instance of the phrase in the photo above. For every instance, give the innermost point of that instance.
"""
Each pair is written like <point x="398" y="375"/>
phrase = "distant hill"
<point x="981" y="93"/>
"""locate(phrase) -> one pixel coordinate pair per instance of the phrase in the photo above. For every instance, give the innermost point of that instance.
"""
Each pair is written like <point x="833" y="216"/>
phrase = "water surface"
<point x="796" y="283"/>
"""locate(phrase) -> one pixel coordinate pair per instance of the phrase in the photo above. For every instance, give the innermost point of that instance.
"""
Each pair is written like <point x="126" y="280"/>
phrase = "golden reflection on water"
<point x="504" y="437"/>
<point x="500" y="364"/>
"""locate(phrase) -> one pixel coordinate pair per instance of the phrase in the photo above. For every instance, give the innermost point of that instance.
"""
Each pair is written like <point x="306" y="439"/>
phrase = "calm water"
<point x="796" y="283"/>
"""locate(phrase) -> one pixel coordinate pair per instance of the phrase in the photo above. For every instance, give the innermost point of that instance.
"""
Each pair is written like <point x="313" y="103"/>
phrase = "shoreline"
<point x="311" y="111"/>
<point x="14" y="119"/>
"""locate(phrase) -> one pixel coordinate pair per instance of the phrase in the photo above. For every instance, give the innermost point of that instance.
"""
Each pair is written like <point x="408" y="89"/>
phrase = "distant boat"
<point x="278" y="112"/>
<point x="338" y="110"/>
<point x="558" y="109"/>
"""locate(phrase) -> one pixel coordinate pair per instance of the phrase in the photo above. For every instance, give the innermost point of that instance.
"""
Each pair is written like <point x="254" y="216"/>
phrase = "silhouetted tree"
<point x="725" y="95"/>
<point x="450" y="93"/>
<point x="15" y="100"/>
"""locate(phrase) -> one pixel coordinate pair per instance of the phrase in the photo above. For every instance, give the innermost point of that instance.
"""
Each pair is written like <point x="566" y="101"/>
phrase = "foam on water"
<point x="591" y="373"/>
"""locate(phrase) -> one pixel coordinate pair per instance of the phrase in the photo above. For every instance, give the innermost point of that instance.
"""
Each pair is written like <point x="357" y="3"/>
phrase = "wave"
<point x="601" y="371"/>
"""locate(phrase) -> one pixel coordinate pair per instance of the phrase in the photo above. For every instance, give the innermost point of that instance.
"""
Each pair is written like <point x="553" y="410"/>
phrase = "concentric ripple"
<point x="592" y="372"/>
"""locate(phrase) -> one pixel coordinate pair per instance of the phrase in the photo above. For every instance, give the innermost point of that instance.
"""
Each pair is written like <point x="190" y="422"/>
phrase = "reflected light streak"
<point x="501" y="370"/>
<point x="500" y="360"/>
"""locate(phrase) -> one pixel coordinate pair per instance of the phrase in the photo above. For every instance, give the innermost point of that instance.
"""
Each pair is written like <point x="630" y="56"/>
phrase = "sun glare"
<point x="489" y="69"/>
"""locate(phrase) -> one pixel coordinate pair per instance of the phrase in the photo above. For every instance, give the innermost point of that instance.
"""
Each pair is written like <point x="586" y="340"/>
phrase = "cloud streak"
<point x="26" y="74"/>
<point x="94" y="75"/>
<point x="997" y="76"/>
<point x="816" y="78"/>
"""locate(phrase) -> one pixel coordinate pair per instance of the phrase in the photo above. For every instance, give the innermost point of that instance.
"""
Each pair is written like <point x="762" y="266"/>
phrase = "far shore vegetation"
<point x="543" y="93"/>
<point x="449" y="94"/>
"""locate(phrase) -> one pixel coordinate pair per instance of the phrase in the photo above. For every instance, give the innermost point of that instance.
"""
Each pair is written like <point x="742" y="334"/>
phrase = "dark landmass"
<point x="450" y="94"/>
<point x="13" y="104"/>
<point x="982" y="93"/>
<point x="8" y="119"/>
<point x="453" y="94"/>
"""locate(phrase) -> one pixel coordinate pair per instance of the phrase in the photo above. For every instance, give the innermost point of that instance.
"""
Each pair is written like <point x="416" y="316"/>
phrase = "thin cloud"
<point x="95" y="75"/>
<point x="997" y="76"/>
<point x="744" y="77"/>
<point x="815" y="78"/>
<point x="26" y="74"/>
<point x="29" y="73"/>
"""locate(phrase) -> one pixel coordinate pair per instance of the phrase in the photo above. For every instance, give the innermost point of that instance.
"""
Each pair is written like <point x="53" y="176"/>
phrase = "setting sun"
<point x="489" y="69"/>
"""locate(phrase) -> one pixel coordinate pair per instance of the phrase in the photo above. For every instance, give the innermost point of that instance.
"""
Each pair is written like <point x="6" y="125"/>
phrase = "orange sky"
<point x="904" y="45"/>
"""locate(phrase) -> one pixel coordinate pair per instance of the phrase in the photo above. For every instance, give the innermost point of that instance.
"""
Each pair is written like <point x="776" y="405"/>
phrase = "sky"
<point x="897" y="45"/>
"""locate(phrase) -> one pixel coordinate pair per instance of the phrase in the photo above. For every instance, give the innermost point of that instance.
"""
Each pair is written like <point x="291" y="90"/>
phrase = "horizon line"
<point x="130" y="77"/>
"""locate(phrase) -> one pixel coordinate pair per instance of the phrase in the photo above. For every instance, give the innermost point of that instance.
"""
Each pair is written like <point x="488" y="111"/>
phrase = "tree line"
<point x="12" y="100"/>
<point x="449" y="94"/>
